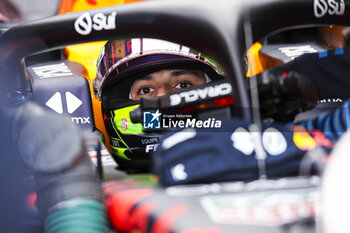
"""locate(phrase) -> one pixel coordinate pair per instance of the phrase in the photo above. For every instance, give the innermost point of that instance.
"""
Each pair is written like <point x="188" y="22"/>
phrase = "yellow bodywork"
<point x="87" y="54"/>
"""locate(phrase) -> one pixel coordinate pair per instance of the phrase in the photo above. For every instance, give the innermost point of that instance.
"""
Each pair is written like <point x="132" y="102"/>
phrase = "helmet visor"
<point x="124" y="61"/>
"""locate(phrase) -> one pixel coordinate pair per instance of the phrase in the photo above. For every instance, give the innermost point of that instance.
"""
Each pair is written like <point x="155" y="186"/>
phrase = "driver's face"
<point x="164" y="82"/>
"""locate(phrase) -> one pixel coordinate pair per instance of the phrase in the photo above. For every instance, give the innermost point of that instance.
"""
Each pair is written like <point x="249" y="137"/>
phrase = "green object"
<point x="86" y="216"/>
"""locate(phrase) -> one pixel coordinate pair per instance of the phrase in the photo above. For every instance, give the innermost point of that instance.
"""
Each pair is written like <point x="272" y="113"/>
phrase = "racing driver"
<point x="129" y="70"/>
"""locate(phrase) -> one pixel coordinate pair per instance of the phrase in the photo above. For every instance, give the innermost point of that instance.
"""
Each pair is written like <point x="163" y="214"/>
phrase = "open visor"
<point x="124" y="61"/>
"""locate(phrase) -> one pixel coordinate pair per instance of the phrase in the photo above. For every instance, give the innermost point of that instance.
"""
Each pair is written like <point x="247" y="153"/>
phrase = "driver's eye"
<point x="145" y="90"/>
<point x="183" y="85"/>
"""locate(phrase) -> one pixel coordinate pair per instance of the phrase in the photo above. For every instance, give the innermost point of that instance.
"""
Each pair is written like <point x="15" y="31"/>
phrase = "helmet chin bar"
<point x="212" y="100"/>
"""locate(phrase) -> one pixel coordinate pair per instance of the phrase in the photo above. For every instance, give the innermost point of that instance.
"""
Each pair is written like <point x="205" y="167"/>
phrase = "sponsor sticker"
<point x="53" y="70"/>
<point x="302" y="139"/>
<point x="124" y="124"/>
<point x="271" y="140"/>
<point x="242" y="140"/>
<point x="178" y="172"/>
<point x="330" y="7"/>
<point x="295" y="51"/>
<point x="72" y="103"/>
<point x="274" y="141"/>
<point x="200" y="94"/>
<point x="309" y="139"/>
<point x="56" y="104"/>
<point x="331" y="100"/>
<point x="262" y="208"/>
<point x="98" y="22"/>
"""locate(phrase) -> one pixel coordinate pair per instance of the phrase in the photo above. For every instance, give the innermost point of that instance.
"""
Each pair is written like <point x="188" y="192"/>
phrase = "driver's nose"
<point x="162" y="91"/>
